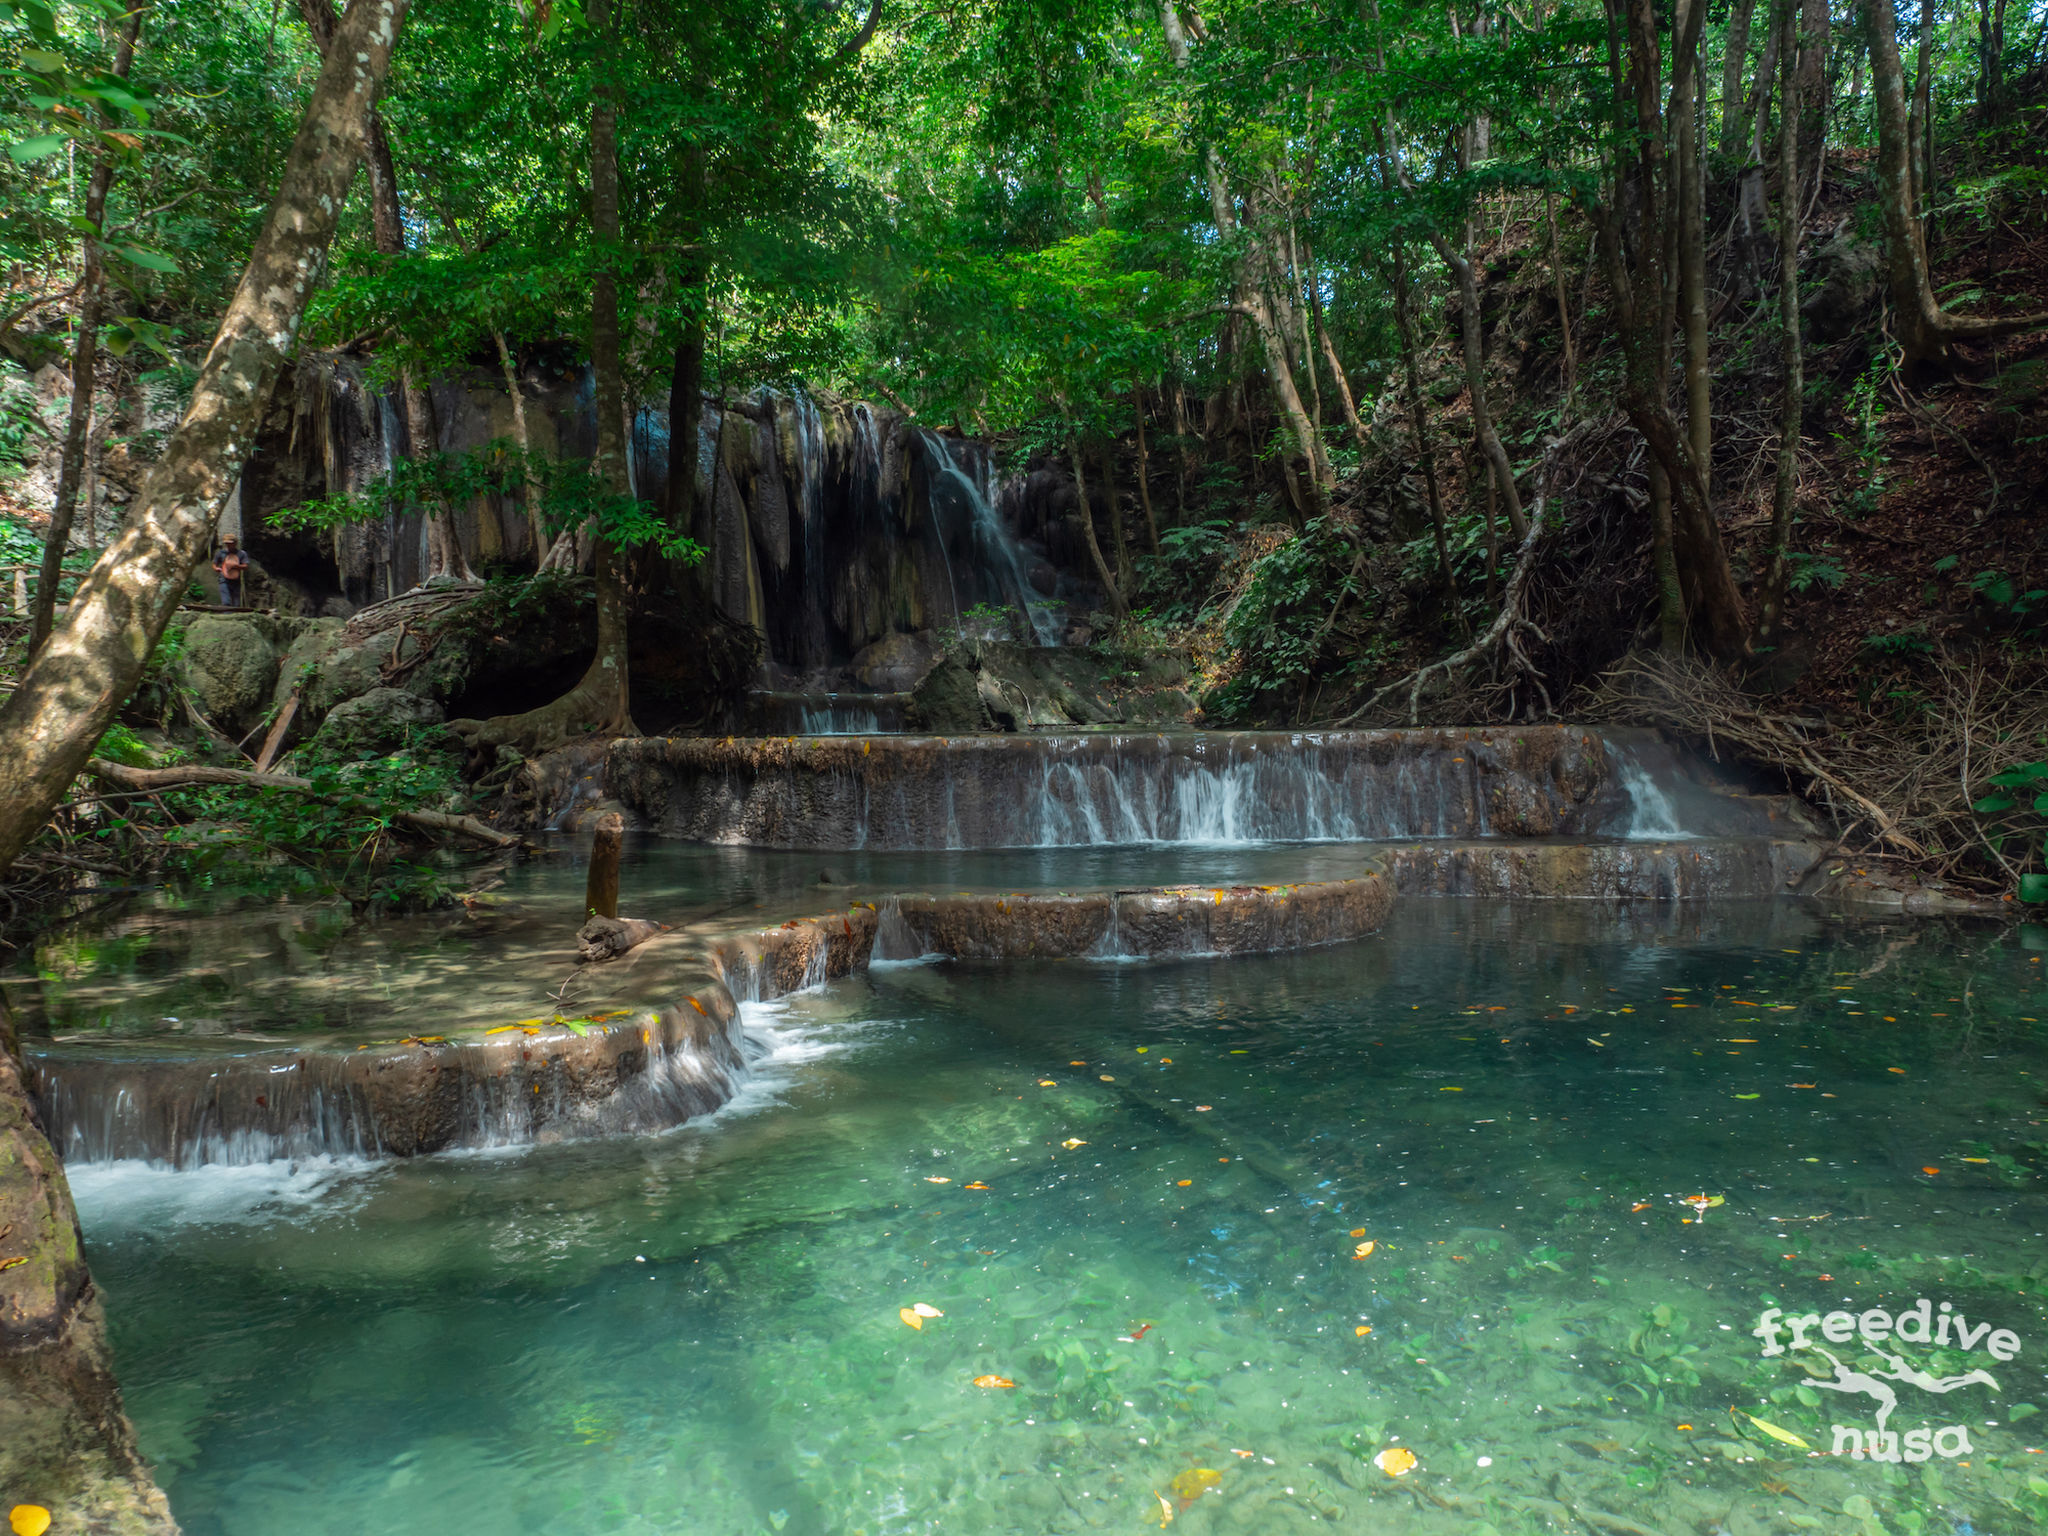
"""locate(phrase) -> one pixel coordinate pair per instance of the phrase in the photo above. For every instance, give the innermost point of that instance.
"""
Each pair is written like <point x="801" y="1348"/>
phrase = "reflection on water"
<point x="1137" y="1192"/>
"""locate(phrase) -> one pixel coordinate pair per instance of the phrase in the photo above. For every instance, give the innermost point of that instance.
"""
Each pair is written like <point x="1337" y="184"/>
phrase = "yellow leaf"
<point x="910" y="1318"/>
<point x="1072" y="1142"/>
<point x="1783" y="1435"/>
<point x="934" y="1178"/>
<point x="1165" y="1511"/>
<point x="1045" y="1082"/>
<point x="28" y="1519"/>
<point x="1362" y="1329"/>
<point x="1190" y="1485"/>
<point x="977" y="1184"/>
<point x="1363" y="1250"/>
<point x="993" y="1381"/>
<point x="925" y="1309"/>
<point x="1106" y="1077"/>
<point x="1396" y="1461"/>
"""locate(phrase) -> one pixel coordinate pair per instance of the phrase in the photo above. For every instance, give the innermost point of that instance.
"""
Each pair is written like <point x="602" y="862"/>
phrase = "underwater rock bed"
<point x="635" y="1070"/>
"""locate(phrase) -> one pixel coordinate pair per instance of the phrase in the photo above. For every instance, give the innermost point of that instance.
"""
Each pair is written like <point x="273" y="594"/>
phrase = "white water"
<point x="995" y="550"/>
<point x="1652" y="816"/>
<point x="836" y="719"/>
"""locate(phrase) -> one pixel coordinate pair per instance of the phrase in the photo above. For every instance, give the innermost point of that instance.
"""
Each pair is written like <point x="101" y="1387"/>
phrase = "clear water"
<point x="207" y="965"/>
<point x="700" y="1332"/>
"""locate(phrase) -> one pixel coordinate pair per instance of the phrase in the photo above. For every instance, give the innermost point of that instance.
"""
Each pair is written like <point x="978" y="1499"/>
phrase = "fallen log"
<point x="437" y="822"/>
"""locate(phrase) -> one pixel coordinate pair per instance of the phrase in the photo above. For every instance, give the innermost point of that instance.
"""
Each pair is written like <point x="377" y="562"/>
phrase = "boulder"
<point x="314" y="643"/>
<point x="230" y="663"/>
<point x="896" y="663"/>
<point x="382" y="720"/>
<point x="1846" y="273"/>
<point x="350" y="671"/>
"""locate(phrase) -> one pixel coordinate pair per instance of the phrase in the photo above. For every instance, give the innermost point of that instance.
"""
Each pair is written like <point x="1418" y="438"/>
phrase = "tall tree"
<point x="85" y="351"/>
<point x="1927" y="331"/>
<point x="92" y="661"/>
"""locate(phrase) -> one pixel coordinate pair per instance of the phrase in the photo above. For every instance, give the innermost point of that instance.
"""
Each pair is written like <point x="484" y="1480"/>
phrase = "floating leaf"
<point x="1190" y="1485"/>
<point x="936" y="1178"/>
<point x="1183" y="1183"/>
<point x="1396" y="1461"/>
<point x="28" y="1520"/>
<point x="1165" y="1511"/>
<point x="925" y="1309"/>
<point x="1362" y="1329"/>
<point x="1046" y="1082"/>
<point x="1784" y="1436"/>
<point x="910" y="1318"/>
<point x="1930" y="1171"/>
<point x="993" y="1381"/>
<point x="1749" y="1095"/>
<point x="1106" y="1077"/>
<point x="1072" y="1142"/>
<point x="977" y="1184"/>
<point x="1363" y="1250"/>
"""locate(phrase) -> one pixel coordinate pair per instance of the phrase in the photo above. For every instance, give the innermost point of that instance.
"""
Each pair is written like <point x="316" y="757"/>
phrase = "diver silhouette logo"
<point x="1919" y="1324"/>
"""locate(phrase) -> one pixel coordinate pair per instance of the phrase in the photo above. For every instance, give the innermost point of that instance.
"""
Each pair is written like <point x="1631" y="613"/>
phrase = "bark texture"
<point x="84" y="359"/>
<point x="1791" y="350"/>
<point x="94" y="659"/>
<point x="65" y="1443"/>
<point x="1926" y="330"/>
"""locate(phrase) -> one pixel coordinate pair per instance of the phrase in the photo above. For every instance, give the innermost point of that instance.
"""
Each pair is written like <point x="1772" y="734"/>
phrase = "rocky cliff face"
<point x="827" y="525"/>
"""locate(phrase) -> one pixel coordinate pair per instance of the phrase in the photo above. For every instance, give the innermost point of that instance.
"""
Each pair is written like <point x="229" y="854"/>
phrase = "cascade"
<point x="996" y="552"/>
<point x="1205" y="789"/>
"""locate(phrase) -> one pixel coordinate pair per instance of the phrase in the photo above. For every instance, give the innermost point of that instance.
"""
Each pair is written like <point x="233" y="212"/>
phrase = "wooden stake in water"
<point x="601" y="892"/>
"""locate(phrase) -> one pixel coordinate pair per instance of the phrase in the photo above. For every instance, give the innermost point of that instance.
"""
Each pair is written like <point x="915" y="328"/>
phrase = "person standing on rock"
<point x="228" y="564"/>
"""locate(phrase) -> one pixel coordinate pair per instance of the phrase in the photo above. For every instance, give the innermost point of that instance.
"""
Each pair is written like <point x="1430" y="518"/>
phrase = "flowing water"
<point x="1581" y="1150"/>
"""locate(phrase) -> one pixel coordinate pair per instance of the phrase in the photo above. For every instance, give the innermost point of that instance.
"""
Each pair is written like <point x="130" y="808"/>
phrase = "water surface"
<point x="1527" y="1112"/>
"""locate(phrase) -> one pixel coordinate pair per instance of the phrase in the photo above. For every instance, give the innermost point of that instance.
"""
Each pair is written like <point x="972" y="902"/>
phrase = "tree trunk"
<point x="1118" y="541"/>
<point x="1564" y="311"/>
<point x="84" y="358"/>
<point x="387" y="229"/>
<point x="1920" y="127"/>
<point x="1756" y="107"/>
<point x="1771" y="604"/>
<point x="1692" y="278"/>
<point x="1735" y="55"/>
<point x="93" y="660"/>
<point x="601" y="885"/>
<point x="1643" y="315"/>
<point x="1345" y="400"/>
<point x="1926" y="330"/>
<point x="1102" y="572"/>
<point x="521" y="436"/>
<point x="598" y="705"/>
<point x="68" y="1444"/>
<point x="1144" y="469"/>
<point x="1418" y="417"/>
<point x="1475" y="383"/>
<point x="1812" y="116"/>
<point x="1252" y="301"/>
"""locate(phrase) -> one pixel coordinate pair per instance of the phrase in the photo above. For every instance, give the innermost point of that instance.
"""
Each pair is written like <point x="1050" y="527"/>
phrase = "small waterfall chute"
<point x="996" y="552"/>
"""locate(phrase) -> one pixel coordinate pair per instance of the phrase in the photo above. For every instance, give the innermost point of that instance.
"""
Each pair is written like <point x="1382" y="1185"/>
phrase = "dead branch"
<point x="436" y="822"/>
<point x="1508" y="625"/>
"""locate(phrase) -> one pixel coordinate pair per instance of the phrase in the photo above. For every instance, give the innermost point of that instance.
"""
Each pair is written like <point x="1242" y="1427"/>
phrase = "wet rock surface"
<point x="1018" y="791"/>
<point x="640" y="1070"/>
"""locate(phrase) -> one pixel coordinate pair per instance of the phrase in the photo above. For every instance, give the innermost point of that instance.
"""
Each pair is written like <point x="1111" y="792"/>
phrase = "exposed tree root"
<point x="1506" y="630"/>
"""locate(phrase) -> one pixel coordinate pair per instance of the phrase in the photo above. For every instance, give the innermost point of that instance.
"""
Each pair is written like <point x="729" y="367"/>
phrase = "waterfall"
<point x="1652" y="815"/>
<point x="996" y="552"/>
<point x="835" y="719"/>
<point x="1216" y="789"/>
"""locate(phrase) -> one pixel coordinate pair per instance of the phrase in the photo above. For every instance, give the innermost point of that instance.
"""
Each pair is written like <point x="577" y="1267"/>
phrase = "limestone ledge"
<point x="655" y="1067"/>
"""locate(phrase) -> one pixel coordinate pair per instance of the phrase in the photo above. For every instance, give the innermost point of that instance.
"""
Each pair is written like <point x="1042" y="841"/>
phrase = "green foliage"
<point x="1808" y="572"/>
<point x="339" y="840"/>
<point x="1279" y="624"/>
<point x="2015" y="816"/>
<point x="571" y="494"/>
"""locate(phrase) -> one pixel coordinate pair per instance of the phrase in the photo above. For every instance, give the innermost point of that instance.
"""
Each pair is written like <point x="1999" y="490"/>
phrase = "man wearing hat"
<point x="228" y="564"/>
